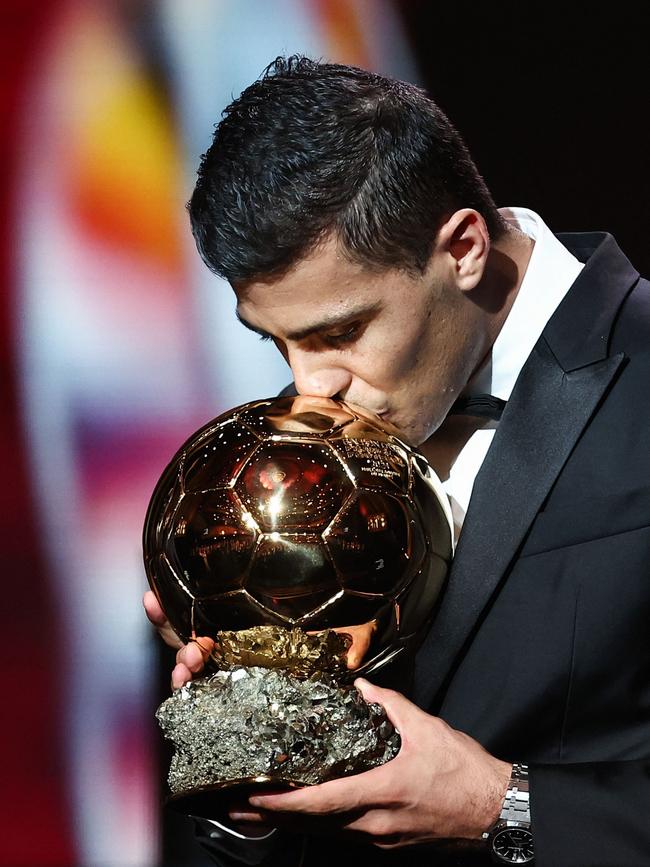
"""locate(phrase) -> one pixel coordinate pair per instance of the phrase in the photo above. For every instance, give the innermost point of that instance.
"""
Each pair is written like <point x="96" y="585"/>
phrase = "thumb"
<point x="399" y="710"/>
<point x="157" y="616"/>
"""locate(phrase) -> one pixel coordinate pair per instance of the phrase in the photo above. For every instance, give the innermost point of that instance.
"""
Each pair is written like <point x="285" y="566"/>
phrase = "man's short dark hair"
<point x="313" y="148"/>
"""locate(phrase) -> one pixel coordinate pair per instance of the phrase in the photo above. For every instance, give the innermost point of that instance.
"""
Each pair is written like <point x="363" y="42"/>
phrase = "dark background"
<point x="553" y="103"/>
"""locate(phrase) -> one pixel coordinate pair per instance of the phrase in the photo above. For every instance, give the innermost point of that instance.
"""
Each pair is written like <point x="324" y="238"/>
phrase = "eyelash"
<point x="332" y="339"/>
<point x="343" y="338"/>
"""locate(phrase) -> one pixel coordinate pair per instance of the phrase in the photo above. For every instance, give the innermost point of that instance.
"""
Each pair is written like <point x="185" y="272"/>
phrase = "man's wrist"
<point x="498" y="793"/>
<point x="510" y="839"/>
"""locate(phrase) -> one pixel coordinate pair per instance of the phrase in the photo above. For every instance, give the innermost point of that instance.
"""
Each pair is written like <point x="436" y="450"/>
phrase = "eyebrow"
<point x="322" y="325"/>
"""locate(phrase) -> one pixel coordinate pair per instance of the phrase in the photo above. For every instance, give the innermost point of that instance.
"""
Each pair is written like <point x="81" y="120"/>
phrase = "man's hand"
<point x="441" y="785"/>
<point x="191" y="657"/>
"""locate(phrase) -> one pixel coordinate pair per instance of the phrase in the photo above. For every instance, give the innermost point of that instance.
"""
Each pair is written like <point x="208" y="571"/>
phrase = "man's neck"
<point x="508" y="260"/>
<point x="507" y="263"/>
<point x="445" y="444"/>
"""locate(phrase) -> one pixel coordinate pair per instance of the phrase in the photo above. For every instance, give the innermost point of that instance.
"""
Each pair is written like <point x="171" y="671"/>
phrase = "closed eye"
<point x="340" y="338"/>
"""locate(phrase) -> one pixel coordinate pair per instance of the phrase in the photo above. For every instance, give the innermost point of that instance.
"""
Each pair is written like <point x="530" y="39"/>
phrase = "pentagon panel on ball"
<point x="293" y="486"/>
<point x="292" y="575"/>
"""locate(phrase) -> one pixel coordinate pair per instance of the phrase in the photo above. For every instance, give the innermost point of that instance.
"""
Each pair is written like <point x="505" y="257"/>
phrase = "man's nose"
<point x="315" y="377"/>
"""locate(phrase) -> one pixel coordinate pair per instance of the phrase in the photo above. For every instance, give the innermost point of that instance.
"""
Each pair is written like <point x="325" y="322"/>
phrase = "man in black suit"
<point x="352" y="223"/>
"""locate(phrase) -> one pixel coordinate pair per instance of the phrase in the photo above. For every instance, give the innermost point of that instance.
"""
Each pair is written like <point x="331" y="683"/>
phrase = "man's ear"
<point x="465" y="239"/>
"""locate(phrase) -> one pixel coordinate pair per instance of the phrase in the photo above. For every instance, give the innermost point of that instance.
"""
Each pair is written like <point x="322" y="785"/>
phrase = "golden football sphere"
<point x="301" y="513"/>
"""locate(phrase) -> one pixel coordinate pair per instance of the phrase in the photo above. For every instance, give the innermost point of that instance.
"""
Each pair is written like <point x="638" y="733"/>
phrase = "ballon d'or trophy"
<point x="310" y="543"/>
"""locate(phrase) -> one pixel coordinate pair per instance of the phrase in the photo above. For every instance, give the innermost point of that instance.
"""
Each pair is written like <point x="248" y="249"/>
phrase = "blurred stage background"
<point x="117" y="343"/>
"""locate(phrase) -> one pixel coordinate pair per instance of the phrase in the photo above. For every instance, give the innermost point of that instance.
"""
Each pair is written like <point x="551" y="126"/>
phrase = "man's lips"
<point x="382" y="413"/>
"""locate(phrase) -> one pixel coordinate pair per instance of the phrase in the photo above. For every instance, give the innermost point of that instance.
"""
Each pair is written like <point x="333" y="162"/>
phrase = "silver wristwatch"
<point x="511" y="839"/>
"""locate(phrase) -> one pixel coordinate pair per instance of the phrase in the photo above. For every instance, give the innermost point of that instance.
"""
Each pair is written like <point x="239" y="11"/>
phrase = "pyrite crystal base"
<point x="255" y="726"/>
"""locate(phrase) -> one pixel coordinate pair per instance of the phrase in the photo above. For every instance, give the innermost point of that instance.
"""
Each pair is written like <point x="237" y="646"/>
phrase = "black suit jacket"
<point x="541" y="647"/>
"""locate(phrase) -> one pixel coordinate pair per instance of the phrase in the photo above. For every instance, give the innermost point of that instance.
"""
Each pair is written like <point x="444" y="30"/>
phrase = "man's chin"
<point x="400" y="430"/>
<point x="406" y="429"/>
<point x="417" y="434"/>
<point x="410" y="432"/>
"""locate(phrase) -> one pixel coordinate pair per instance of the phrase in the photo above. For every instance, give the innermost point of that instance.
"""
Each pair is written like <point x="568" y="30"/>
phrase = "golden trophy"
<point x="311" y="544"/>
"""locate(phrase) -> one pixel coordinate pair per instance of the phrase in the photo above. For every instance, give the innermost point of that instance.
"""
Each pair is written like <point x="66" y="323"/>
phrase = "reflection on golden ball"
<point x="299" y="512"/>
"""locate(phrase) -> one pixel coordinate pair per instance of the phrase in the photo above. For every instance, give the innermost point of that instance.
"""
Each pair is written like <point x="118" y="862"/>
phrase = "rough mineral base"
<point x="254" y="722"/>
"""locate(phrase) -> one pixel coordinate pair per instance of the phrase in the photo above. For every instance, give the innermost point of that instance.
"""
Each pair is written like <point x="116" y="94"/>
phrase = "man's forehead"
<point x="324" y="268"/>
<point x="323" y="287"/>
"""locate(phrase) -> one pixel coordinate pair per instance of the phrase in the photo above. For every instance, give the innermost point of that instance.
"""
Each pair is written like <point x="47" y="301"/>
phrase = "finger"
<point x="205" y="645"/>
<point x="157" y="616"/>
<point x="337" y="796"/>
<point x="400" y="711"/>
<point x="375" y="824"/>
<point x="153" y="609"/>
<point x="247" y="821"/>
<point x="239" y="809"/>
<point x="180" y="676"/>
<point x="247" y="815"/>
<point x="195" y="654"/>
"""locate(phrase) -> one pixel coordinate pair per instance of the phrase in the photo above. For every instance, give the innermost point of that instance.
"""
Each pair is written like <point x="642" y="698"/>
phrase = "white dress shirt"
<point x="550" y="273"/>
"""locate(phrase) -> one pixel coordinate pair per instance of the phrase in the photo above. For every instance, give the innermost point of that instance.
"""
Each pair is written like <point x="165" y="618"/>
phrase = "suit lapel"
<point x="537" y="432"/>
<point x="559" y="388"/>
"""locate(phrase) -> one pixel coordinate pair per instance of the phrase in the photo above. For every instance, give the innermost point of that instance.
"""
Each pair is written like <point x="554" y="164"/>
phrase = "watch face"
<point x="513" y="846"/>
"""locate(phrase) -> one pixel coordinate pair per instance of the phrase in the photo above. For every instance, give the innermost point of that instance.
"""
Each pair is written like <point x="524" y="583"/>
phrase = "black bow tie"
<point x="479" y="405"/>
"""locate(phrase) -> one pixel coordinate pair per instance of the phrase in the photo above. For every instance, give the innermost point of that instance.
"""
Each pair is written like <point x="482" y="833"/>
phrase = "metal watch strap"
<point x="516" y="804"/>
